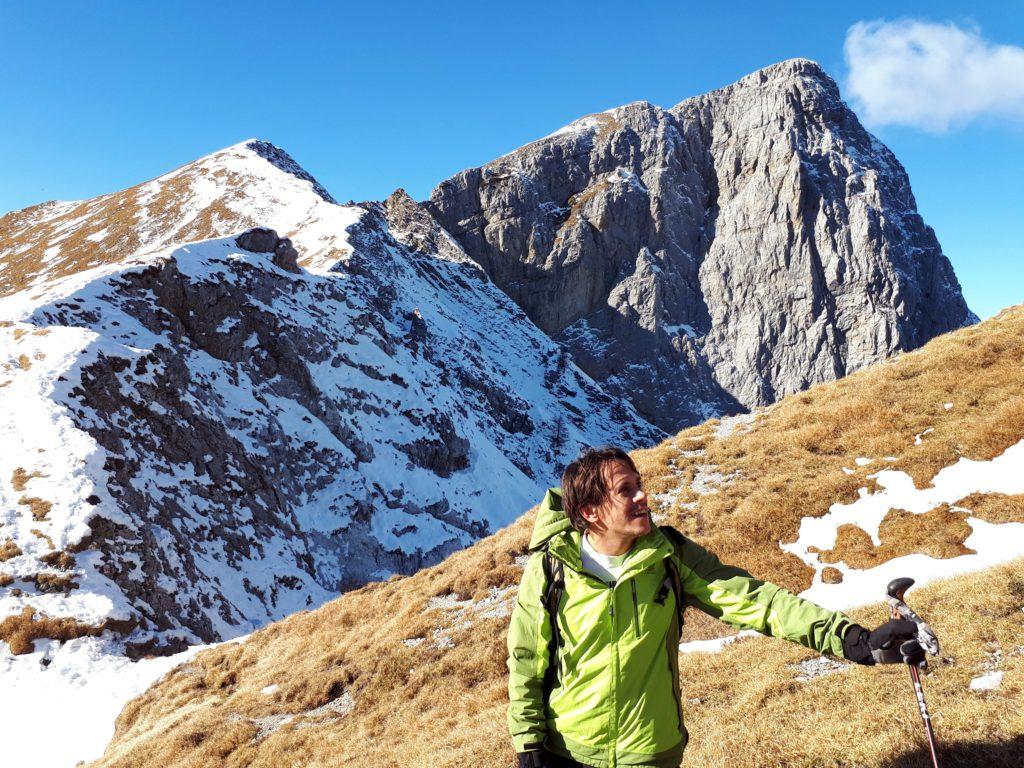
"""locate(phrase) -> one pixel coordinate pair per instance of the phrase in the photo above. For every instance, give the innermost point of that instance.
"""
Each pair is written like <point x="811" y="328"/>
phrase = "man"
<point x="600" y="689"/>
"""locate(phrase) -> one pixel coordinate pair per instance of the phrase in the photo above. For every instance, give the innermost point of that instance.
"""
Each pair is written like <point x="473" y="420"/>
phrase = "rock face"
<point x="714" y="256"/>
<point x="199" y="439"/>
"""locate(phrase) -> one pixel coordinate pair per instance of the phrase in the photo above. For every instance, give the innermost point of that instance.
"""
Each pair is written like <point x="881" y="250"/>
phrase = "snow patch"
<point x="81" y="685"/>
<point x="992" y="543"/>
<point x="716" y="644"/>
<point x="989" y="682"/>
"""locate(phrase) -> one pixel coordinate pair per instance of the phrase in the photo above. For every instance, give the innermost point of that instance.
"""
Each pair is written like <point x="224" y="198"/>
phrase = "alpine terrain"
<point x="913" y="467"/>
<point x="714" y="256"/>
<point x="226" y="398"/>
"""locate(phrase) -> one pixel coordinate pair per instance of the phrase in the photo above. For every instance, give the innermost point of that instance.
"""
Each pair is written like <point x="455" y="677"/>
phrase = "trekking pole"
<point x="928" y="640"/>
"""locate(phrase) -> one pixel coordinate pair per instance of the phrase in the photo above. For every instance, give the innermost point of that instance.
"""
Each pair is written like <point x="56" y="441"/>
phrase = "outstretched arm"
<point x="737" y="598"/>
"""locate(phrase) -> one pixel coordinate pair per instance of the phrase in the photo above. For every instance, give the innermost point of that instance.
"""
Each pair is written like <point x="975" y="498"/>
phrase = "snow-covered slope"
<point x="196" y="440"/>
<point x="249" y="184"/>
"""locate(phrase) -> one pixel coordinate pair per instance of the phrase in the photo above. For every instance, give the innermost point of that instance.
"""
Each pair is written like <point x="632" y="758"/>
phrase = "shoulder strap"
<point x="672" y="571"/>
<point x="554" y="586"/>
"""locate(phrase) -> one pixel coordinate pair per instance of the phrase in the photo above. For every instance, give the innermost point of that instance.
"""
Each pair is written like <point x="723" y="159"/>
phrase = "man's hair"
<point x="583" y="481"/>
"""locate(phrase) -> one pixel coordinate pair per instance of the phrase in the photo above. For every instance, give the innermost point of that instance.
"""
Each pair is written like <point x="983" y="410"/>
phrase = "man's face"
<point x="623" y="513"/>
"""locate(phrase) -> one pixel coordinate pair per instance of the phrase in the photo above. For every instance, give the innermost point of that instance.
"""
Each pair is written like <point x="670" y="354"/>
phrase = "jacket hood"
<point x="551" y="519"/>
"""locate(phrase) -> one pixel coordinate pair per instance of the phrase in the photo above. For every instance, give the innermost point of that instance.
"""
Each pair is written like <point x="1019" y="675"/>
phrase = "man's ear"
<point x="589" y="513"/>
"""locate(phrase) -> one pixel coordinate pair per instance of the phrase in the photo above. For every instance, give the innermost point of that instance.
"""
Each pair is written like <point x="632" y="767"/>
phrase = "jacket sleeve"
<point x="528" y="637"/>
<point x="737" y="598"/>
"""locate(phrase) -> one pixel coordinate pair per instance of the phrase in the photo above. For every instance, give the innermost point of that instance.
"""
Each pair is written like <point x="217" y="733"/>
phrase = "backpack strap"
<point x="554" y="586"/>
<point x="672" y="571"/>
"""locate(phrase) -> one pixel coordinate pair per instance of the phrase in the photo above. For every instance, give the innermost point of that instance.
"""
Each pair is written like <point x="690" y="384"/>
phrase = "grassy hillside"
<point x="411" y="671"/>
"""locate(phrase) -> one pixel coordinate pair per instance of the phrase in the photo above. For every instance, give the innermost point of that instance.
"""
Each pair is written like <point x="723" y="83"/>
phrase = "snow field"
<point x="993" y="544"/>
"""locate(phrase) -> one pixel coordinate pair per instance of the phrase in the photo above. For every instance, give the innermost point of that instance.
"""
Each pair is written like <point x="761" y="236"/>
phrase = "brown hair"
<point x="583" y="481"/>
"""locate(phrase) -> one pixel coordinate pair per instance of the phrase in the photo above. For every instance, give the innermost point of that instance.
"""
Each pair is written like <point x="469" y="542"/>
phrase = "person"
<point x="599" y="688"/>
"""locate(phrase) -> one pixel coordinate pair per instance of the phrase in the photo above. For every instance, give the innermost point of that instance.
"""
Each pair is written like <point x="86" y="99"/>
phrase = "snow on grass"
<point x="729" y="424"/>
<point x="80" y="687"/>
<point x="819" y="666"/>
<point x="716" y="644"/>
<point x="989" y="682"/>
<point x="992" y="544"/>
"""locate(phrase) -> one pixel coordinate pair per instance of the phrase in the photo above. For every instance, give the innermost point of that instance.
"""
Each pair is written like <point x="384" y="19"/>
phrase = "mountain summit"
<point x="714" y="256"/>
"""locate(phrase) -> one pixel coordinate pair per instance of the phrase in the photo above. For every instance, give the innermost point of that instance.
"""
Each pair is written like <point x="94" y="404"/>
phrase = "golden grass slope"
<point x="411" y="672"/>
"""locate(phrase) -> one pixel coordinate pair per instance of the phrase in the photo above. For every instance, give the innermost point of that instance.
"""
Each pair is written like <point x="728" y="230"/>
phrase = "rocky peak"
<point x="283" y="161"/>
<point x="738" y="247"/>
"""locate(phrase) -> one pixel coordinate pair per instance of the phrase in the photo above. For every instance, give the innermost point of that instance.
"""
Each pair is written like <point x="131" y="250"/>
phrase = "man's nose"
<point x="640" y="496"/>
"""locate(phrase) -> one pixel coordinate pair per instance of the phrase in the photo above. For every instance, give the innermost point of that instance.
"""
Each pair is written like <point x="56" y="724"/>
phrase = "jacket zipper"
<point x="672" y="652"/>
<point x="614" y="714"/>
<point x="636" y="612"/>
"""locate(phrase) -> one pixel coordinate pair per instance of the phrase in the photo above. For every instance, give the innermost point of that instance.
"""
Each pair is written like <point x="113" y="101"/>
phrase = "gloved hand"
<point x="535" y="758"/>
<point x="895" y="642"/>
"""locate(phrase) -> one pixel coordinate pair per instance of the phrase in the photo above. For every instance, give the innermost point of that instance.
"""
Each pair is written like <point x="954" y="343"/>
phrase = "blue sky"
<point x="100" y="96"/>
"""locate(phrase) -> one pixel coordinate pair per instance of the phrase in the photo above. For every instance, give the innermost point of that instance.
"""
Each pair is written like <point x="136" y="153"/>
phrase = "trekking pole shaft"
<point x="915" y="678"/>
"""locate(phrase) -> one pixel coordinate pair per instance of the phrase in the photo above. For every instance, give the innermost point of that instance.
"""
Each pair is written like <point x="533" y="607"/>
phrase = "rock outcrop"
<point x="714" y="256"/>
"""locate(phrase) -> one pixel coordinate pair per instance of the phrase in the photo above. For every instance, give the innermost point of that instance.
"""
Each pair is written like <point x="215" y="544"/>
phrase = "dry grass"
<point x="26" y="235"/>
<point x="439" y="700"/>
<point x="8" y="550"/>
<point x="53" y="582"/>
<point x="40" y="535"/>
<point x="40" y="508"/>
<point x="444" y="708"/>
<point x="20" y="478"/>
<point x="21" y="630"/>
<point x="60" y="558"/>
<point x="938" y="533"/>
<point x="995" y="507"/>
<point x="790" y="463"/>
<point x="752" y="711"/>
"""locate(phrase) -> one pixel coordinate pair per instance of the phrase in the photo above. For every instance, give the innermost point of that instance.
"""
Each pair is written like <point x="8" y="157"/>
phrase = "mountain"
<point x="201" y="438"/>
<point x="715" y="256"/>
<point x="915" y="465"/>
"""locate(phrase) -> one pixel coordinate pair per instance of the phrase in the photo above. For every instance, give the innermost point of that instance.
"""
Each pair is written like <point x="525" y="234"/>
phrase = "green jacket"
<point x="616" y="701"/>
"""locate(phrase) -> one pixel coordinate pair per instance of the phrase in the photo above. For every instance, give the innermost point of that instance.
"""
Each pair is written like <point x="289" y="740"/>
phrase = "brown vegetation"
<point x="789" y="463"/>
<point x="444" y="706"/>
<point x="53" y="582"/>
<point x="995" y="507"/>
<point x="20" y="478"/>
<point x="44" y="226"/>
<point x="8" y="550"/>
<point x="40" y="535"/>
<point x="938" y="533"/>
<point x="59" y="558"/>
<point x="21" y="630"/>
<point x="40" y="508"/>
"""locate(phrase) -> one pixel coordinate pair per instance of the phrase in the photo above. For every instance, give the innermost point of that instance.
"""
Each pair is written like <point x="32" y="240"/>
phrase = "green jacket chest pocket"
<point x="652" y="604"/>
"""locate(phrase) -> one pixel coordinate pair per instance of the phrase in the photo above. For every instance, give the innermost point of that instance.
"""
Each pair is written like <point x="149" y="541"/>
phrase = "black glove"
<point x="534" y="758"/>
<point x="895" y="642"/>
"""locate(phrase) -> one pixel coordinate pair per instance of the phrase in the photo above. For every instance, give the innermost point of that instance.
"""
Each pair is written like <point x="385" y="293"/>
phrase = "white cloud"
<point x="931" y="75"/>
